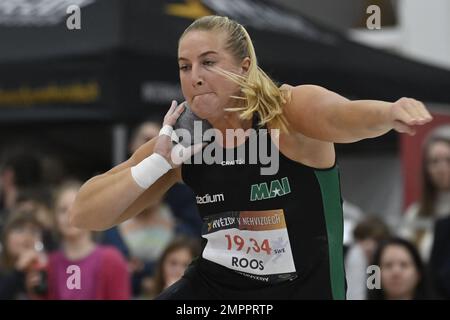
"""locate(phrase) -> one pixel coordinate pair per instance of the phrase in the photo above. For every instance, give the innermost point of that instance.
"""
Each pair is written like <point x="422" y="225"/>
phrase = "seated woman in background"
<point x="174" y="261"/>
<point x="104" y="274"/>
<point x="367" y="234"/>
<point x="419" y="219"/>
<point x="21" y="251"/>
<point x="142" y="240"/>
<point x="402" y="272"/>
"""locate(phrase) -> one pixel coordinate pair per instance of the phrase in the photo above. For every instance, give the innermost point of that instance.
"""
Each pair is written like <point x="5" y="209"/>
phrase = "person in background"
<point x="403" y="275"/>
<point x="20" y="170"/>
<point x="174" y="261"/>
<point x="104" y="273"/>
<point x="179" y="197"/>
<point x="143" y="133"/>
<point x="367" y="234"/>
<point x="419" y="218"/>
<point x="142" y="240"/>
<point x="177" y="214"/>
<point x="39" y="201"/>
<point x="440" y="258"/>
<point x="21" y="250"/>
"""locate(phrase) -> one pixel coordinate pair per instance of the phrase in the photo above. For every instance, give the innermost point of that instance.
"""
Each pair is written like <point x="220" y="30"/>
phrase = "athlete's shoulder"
<point x="308" y="149"/>
<point x="302" y="96"/>
<point x="299" y="105"/>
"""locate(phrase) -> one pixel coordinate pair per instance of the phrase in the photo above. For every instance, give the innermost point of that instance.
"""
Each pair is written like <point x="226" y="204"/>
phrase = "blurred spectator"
<point x="418" y="222"/>
<point x="403" y="275"/>
<point x="180" y="197"/>
<point x="142" y="239"/>
<point x="53" y="169"/>
<point x="144" y="132"/>
<point x="181" y="200"/>
<point x="174" y="261"/>
<point x="39" y="202"/>
<point x="21" y="249"/>
<point x="367" y="234"/>
<point x="20" y="171"/>
<point x="104" y="272"/>
<point x="440" y="258"/>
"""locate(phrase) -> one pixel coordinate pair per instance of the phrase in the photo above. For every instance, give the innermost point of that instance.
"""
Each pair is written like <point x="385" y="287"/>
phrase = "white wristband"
<point x="168" y="131"/>
<point x="146" y="172"/>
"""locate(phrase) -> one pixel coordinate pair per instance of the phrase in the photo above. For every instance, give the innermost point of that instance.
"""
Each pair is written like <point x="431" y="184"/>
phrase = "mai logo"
<point x="261" y="191"/>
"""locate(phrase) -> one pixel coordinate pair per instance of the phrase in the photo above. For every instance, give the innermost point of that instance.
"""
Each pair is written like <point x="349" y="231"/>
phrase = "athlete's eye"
<point x="208" y="63"/>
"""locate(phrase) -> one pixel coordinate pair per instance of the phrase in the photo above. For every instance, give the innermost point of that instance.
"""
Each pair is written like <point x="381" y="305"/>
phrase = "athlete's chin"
<point x="205" y="110"/>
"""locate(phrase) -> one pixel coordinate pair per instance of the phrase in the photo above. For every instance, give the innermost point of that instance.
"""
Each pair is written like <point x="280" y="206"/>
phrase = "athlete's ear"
<point x="245" y="65"/>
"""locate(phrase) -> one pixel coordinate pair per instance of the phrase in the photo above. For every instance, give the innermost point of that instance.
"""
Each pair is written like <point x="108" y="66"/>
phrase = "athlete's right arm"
<point x="119" y="194"/>
<point x="113" y="197"/>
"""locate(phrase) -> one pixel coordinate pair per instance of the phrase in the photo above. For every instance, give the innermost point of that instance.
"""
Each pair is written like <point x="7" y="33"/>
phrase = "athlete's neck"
<point x="231" y="121"/>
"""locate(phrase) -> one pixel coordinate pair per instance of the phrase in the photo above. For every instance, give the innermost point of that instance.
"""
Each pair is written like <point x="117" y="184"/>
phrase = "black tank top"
<point x="266" y="231"/>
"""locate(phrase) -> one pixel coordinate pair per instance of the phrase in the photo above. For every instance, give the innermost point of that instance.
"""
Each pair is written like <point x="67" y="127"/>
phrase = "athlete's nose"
<point x="197" y="79"/>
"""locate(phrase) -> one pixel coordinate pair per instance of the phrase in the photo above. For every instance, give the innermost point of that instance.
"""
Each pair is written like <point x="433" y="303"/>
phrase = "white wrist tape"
<point x="146" y="172"/>
<point x="168" y="131"/>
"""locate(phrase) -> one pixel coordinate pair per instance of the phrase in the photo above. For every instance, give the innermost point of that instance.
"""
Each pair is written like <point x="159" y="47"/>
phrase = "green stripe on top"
<point x="331" y="198"/>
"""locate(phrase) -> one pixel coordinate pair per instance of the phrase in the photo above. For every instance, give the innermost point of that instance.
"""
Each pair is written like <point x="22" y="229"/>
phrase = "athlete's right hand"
<point x="177" y="154"/>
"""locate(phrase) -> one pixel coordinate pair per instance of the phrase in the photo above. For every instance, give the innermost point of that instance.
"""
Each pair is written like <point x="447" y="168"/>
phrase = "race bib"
<point x="253" y="243"/>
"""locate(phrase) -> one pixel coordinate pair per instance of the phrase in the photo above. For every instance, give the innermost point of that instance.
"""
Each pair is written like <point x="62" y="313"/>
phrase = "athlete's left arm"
<point x="325" y="115"/>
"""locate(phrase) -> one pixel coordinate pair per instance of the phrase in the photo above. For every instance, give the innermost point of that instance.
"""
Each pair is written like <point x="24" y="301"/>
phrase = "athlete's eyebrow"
<point x="200" y="55"/>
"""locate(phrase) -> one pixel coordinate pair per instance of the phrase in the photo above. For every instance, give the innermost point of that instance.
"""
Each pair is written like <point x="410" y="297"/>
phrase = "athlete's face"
<point x="206" y="91"/>
<point x="438" y="164"/>
<point x="399" y="276"/>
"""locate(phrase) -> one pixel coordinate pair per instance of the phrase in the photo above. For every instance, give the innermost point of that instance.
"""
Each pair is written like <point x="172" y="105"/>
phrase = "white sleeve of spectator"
<point x="146" y="172"/>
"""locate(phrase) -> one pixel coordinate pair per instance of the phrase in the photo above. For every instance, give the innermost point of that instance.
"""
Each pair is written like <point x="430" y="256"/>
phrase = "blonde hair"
<point x="260" y="93"/>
